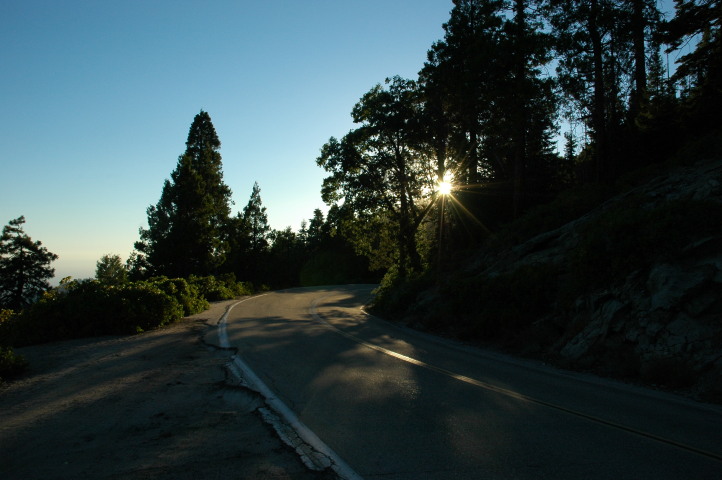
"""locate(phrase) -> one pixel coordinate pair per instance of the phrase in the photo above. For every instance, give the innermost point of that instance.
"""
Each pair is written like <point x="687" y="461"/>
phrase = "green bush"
<point x="395" y="294"/>
<point x="221" y="288"/>
<point x="145" y="307"/>
<point x="11" y="363"/>
<point x="185" y="293"/>
<point x="87" y="308"/>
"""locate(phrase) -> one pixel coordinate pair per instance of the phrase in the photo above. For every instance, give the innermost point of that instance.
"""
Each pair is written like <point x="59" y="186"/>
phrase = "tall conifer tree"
<point x="248" y="234"/>
<point x="24" y="267"/>
<point x="185" y="228"/>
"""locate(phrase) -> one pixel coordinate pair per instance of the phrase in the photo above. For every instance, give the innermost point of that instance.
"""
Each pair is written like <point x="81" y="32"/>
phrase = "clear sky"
<point x="98" y="97"/>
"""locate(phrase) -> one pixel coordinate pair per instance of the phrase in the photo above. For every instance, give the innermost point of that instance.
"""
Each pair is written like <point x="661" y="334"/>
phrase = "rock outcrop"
<point x="661" y="323"/>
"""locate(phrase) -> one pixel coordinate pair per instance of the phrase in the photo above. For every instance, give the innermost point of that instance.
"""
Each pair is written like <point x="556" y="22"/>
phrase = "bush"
<point x="395" y="294"/>
<point x="11" y="363"/>
<point x="87" y="308"/>
<point x="145" y="307"/>
<point x="186" y="294"/>
<point x="7" y="324"/>
<point x="222" y="288"/>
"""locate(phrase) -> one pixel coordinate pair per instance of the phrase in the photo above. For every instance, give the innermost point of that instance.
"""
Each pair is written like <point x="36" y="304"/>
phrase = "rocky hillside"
<point x="632" y="289"/>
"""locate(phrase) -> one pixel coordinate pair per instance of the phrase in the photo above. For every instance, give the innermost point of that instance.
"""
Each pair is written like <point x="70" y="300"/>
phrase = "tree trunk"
<point x="520" y="114"/>
<point x="640" y="69"/>
<point x="599" y="115"/>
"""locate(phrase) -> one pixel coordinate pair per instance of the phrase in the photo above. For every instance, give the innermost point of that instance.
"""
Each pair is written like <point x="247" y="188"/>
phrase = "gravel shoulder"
<point x="156" y="405"/>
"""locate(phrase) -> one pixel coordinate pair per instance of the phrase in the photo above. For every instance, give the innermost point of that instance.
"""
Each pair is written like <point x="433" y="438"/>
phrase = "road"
<point x="398" y="404"/>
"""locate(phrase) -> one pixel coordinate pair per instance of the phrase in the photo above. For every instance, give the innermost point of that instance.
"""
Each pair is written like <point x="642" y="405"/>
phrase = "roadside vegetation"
<point x="88" y="308"/>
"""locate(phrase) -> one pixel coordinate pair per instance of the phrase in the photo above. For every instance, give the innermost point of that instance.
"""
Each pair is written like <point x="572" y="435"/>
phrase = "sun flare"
<point x="444" y="187"/>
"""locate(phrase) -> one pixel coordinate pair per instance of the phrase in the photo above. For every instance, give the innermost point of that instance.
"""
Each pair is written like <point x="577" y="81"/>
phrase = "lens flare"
<point x="444" y="187"/>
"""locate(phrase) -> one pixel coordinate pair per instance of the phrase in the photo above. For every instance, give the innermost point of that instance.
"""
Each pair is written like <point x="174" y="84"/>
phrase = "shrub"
<point x="145" y="307"/>
<point x="8" y="318"/>
<point x="87" y="308"/>
<point x="395" y="294"/>
<point x="221" y="288"/>
<point x="11" y="363"/>
<point x="186" y="294"/>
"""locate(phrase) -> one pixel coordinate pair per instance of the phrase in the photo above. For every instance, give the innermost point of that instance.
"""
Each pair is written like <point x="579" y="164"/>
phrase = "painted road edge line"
<point x="249" y="377"/>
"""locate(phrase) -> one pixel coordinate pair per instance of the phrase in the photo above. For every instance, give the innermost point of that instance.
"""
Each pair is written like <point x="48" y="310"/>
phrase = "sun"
<point x="443" y="187"/>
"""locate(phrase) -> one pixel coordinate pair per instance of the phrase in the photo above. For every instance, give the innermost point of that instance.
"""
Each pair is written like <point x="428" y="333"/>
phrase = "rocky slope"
<point x="632" y="289"/>
<point x="662" y="321"/>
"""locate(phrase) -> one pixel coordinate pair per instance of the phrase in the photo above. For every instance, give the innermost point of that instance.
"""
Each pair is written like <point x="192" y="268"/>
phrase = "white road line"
<point x="241" y="369"/>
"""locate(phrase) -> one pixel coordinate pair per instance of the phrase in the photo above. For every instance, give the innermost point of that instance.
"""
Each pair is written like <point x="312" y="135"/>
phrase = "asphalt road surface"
<point x="398" y="404"/>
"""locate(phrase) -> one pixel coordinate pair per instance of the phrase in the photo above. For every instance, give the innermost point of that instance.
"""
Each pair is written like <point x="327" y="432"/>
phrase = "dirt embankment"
<point x="155" y="405"/>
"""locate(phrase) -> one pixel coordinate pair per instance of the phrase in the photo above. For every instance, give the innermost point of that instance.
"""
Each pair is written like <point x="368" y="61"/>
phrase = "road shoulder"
<point x="155" y="405"/>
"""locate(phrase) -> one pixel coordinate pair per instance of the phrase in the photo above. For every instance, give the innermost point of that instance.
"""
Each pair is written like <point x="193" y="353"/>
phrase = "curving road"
<point x="397" y="404"/>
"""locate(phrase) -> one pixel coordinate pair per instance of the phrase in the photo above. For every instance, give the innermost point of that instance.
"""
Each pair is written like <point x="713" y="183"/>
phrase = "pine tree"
<point x="701" y="68"/>
<point x="488" y="109"/>
<point x="248" y="235"/>
<point x="256" y="222"/>
<point x="109" y="270"/>
<point x="185" y="232"/>
<point x="24" y="267"/>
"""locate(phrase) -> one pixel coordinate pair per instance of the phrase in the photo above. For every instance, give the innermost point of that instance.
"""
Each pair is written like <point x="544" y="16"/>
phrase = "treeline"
<point x="192" y="252"/>
<point x="191" y="230"/>
<point x="483" y="117"/>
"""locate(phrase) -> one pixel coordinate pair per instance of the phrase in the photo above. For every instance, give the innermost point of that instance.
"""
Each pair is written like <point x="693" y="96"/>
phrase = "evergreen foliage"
<point x="248" y="236"/>
<point x="185" y="232"/>
<point x="486" y="107"/>
<point x="24" y="267"/>
<point x="109" y="270"/>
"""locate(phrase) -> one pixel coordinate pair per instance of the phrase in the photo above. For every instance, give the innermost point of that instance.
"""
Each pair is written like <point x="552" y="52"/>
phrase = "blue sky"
<point x="98" y="97"/>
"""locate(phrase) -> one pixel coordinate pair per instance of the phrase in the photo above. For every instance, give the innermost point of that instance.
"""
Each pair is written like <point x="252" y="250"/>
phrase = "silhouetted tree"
<point x="185" y="228"/>
<point x="256" y="222"/>
<point x="461" y="77"/>
<point x="702" y="66"/>
<point x="24" y="267"/>
<point x="489" y="111"/>
<point x="248" y="236"/>
<point x="377" y="169"/>
<point x="287" y="252"/>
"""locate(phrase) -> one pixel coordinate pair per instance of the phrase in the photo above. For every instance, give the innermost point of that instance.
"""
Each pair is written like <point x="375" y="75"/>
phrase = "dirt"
<point x="155" y="405"/>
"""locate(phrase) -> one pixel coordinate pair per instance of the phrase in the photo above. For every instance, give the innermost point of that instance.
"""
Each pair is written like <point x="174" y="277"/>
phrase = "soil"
<point x="155" y="405"/>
